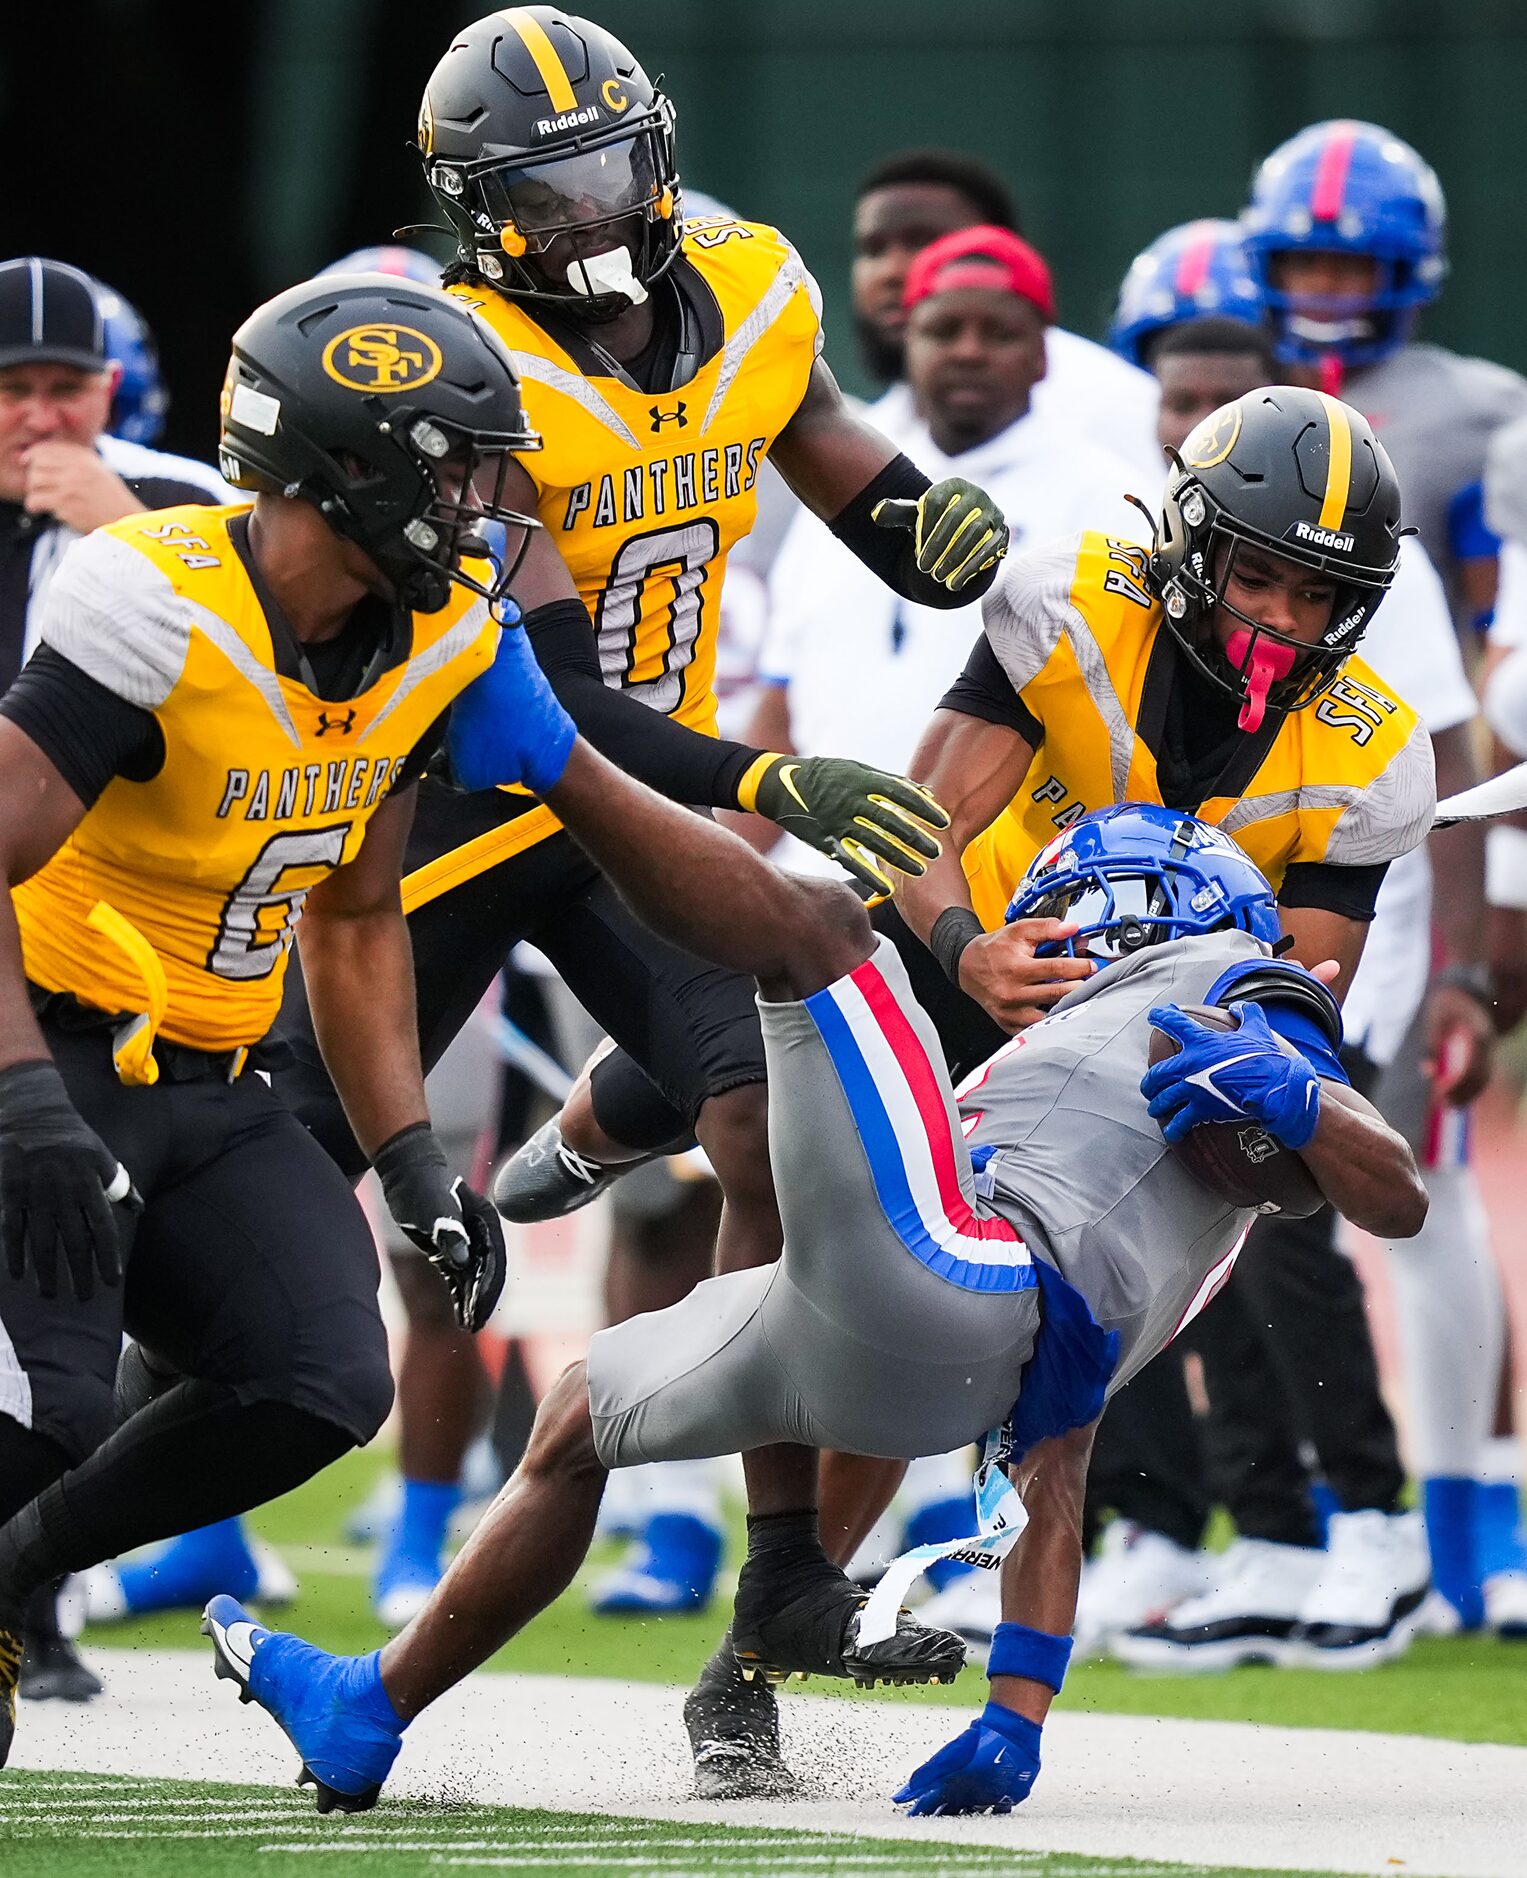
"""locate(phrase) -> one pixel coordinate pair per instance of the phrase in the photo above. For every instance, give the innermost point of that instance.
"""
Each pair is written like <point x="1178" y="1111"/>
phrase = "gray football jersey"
<point x="1435" y="413"/>
<point x="1082" y="1169"/>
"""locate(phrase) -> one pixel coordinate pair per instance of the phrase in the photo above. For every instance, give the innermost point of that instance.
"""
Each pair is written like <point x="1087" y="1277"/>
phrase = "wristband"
<point x="953" y="930"/>
<point x="752" y="776"/>
<point x="1035" y="1655"/>
<point x="1506" y="867"/>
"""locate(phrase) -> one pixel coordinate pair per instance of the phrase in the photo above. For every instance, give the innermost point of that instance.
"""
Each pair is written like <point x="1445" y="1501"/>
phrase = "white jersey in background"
<point x="1412" y="646"/>
<point x="865" y="668"/>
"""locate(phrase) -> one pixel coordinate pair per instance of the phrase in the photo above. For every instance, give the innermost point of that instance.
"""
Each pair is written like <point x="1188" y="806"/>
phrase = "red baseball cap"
<point x="981" y="257"/>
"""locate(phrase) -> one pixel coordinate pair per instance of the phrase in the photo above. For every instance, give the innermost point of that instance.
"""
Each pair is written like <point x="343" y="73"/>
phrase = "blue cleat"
<point x="673" y="1569"/>
<point x="183" y="1573"/>
<point x="333" y="1709"/>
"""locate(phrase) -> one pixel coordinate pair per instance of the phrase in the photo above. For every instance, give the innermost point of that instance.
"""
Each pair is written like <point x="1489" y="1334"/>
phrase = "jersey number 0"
<point x="649" y="615"/>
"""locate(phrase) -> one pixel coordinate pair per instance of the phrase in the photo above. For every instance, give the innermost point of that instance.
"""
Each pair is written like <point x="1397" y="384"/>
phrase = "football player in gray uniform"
<point x="992" y="1264"/>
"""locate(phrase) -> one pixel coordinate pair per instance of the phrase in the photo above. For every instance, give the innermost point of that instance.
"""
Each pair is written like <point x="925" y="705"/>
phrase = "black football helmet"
<point x="1302" y="475"/>
<point x="396" y="413"/>
<point x="538" y="125"/>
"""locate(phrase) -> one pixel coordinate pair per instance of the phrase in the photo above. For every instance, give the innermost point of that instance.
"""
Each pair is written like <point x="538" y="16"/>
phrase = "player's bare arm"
<point x="1363" y="1166"/>
<point x="38" y="811"/>
<point x="1460" y="1030"/>
<point x="1319" y="934"/>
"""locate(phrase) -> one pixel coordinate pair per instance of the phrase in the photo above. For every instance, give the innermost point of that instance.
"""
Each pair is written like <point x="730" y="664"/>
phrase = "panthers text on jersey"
<point x="646" y="494"/>
<point x="1347" y="780"/>
<point x="264" y="788"/>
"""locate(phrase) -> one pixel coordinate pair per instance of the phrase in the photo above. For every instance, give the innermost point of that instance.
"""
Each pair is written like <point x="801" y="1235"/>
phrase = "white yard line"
<point x="1188" y="1792"/>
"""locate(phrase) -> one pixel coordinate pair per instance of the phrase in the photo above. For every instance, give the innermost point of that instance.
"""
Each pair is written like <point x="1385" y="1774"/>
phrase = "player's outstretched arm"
<point x="1364" y="1167"/>
<point x="358" y="964"/>
<point x="993" y="1765"/>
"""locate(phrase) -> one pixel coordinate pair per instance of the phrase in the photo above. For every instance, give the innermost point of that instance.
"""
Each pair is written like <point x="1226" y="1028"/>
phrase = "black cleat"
<point x="52" y="1670"/>
<point x="815" y="1633"/>
<point x="546" y="1179"/>
<point x="733" y="1726"/>
<point x="10" y="1677"/>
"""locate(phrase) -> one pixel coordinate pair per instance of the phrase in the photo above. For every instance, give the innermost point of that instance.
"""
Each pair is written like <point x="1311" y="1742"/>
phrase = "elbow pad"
<point x="1297" y="1006"/>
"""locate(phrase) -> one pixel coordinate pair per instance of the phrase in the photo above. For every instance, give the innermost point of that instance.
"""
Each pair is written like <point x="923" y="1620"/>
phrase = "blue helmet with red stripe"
<point x="1352" y="189"/>
<point x="140" y="402"/>
<point x="1138" y="875"/>
<point x="1197" y="271"/>
<point x="391" y="258"/>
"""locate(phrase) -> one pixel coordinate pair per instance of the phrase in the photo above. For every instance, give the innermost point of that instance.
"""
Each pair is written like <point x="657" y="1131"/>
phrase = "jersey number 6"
<point x="258" y="916"/>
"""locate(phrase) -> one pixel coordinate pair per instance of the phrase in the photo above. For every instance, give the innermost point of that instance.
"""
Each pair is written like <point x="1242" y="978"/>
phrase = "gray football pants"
<point x="901" y="1314"/>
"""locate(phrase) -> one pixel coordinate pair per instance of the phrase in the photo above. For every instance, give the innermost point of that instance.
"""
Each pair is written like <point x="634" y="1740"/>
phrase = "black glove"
<point x="848" y="811"/>
<point x="58" y="1182"/>
<point x="957" y="530"/>
<point x="455" y="1228"/>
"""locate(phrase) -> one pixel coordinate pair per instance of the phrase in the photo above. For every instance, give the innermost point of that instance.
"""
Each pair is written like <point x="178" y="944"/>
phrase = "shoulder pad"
<point x="1278" y="981"/>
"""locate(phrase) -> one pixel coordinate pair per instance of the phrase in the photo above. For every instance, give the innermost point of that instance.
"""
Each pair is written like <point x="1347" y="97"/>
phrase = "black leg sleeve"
<point x="191" y="1457"/>
<point x="28" y="1463"/>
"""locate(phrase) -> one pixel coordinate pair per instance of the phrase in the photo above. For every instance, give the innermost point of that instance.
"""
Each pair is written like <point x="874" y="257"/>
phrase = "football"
<point x="1240" y="1161"/>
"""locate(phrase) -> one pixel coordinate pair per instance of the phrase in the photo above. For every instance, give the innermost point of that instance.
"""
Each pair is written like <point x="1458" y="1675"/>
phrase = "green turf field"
<point x="1467" y="1688"/>
<point x="91" y="1826"/>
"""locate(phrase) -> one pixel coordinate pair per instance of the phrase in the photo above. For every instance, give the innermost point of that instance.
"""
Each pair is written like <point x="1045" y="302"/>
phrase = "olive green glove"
<point x="957" y="530"/>
<point x="848" y="811"/>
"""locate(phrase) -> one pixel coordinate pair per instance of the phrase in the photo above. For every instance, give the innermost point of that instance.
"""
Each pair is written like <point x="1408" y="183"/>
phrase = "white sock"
<point x="1452" y="1326"/>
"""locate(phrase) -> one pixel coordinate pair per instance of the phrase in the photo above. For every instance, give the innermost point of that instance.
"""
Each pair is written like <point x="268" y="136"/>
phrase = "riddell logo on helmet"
<point x="568" y="120"/>
<point x="1325" y="537"/>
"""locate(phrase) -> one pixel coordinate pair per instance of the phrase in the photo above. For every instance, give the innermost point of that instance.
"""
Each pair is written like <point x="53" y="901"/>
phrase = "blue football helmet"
<point x="1197" y="271"/>
<point x="1347" y="188"/>
<point x="1138" y="875"/>
<point x="140" y="402"/>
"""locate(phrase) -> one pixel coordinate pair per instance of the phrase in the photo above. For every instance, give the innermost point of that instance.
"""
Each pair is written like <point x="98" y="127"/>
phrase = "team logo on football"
<point x="1214" y="439"/>
<point x="382" y="358"/>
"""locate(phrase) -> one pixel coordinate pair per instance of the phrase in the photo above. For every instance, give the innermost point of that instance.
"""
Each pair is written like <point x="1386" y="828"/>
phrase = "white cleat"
<point x="1136" y="1577"/>
<point x="1506" y="1604"/>
<point x="1250" y="1616"/>
<point x="1366" y="1606"/>
<point x="278" y="1582"/>
<point x="397" y="1608"/>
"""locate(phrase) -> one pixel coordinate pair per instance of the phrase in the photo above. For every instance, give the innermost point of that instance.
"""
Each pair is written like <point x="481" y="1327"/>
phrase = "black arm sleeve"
<point x="422" y="755"/>
<point x="676" y="761"/>
<point x="1350" y="891"/>
<point x="86" y="732"/>
<point x="891" y="552"/>
<point x="984" y="690"/>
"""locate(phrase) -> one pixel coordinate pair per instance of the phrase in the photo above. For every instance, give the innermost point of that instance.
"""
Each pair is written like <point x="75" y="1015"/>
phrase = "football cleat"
<point x="671" y="1569"/>
<point x="10" y="1677"/>
<point x="733" y="1728"/>
<point x="546" y="1179"/>
<point x="1365" y="1607"/>
<point x="52" y="1670"/>
<point x="1136" y="1577"/>
<point x="1506" y="1605"/>
<point x="180" y="1575"/>
<point x="1250" y="1616"/>
<point x="333" y="1709"/>
<point x="815" y="1633"/>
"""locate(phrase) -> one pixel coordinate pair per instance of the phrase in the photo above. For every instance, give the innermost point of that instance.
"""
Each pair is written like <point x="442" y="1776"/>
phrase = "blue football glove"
<point x="507" y="726"/>
<point x="1231" y="1076"/>
<point x="987" y="1769"/>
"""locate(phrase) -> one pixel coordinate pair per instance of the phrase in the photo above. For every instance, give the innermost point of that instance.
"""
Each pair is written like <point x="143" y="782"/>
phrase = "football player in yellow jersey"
<point x="662" y="364"/>
<point x="222" y="730"/>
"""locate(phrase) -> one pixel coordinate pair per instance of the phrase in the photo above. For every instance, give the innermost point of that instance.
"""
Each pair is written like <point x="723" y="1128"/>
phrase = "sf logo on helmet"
<point x="382" y="358"/>
<point x="1214" y="439"/>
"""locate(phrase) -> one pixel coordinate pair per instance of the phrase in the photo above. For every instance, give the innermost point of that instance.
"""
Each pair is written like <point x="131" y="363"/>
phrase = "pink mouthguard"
<point x="1261" y="664"/>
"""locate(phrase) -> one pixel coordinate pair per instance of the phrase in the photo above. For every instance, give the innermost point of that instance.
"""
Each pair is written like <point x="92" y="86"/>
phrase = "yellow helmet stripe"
<point x="1339" y="471"/>
<point x="538" y="44"/>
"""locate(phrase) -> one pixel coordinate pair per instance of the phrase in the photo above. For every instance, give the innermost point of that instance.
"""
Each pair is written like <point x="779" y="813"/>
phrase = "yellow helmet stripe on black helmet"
<point x="538" y="44"/>
<point x="1333" y="505"/>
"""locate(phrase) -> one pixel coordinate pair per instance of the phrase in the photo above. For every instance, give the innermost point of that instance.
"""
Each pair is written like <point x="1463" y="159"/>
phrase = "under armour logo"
<point x="344" y="723"/>
<point x="675" y="416"/>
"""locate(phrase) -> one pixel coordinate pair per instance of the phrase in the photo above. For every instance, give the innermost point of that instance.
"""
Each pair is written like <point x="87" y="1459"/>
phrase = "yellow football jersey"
<point x="1347" y="780"/>
<point x="646" y="495"/>
<point x="263" y="790"/>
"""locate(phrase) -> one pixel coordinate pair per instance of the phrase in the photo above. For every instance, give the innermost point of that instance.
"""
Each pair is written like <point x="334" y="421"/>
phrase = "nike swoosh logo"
<point x="240" y="1642"/>
<point x="1204" y="1079"/>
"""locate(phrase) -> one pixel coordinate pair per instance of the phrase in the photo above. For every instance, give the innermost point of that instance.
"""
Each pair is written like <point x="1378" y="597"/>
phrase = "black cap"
<point x="49" y="313"/>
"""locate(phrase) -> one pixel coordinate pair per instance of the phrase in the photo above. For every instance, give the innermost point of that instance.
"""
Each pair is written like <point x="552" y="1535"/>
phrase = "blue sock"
<point x="1325" y="1504"/>
<point x="1498" y="1534"/>
<point x="938" y="1520"/>
<point x="185" y="1572"/>
<point x="423" y="1518"/>
<point x="1448" y="1502"/>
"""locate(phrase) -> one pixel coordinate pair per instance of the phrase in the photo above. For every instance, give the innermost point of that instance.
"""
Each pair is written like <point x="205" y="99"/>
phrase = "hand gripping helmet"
<point x="1302" y="475"/>
<point x="1192" y="272"/>
<point x="140" y="402"/>
<point x="1138" y="875"/>
<point x="396" y="413"/>
<point x="1347" y="188"/>
<point x="551" y="151"/>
